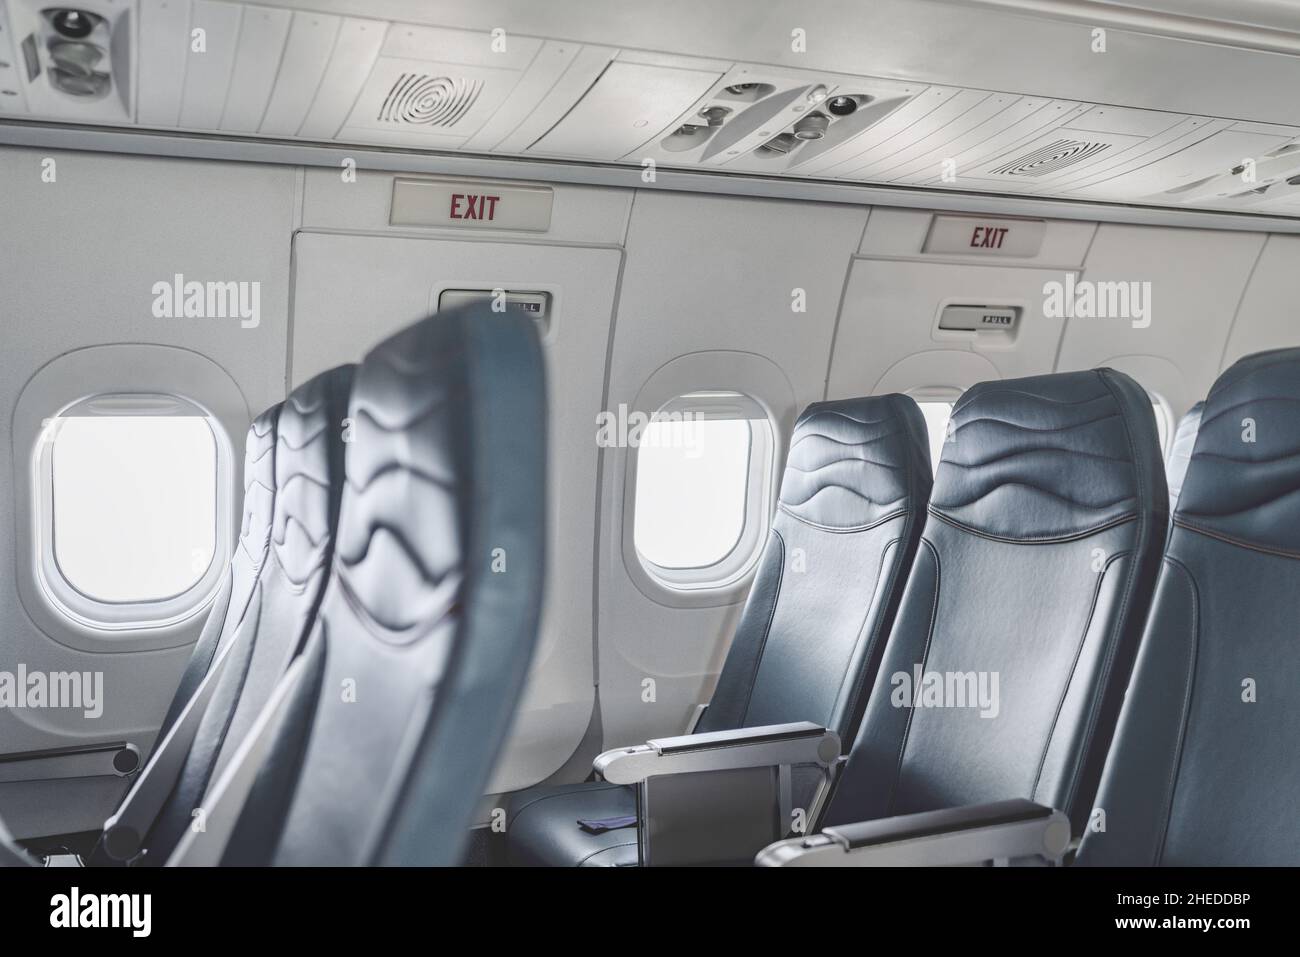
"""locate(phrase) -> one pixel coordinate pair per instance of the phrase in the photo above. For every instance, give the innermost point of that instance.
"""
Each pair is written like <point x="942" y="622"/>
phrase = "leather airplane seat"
<point x="1205" y="770"/>
<point x="809" y="641"/>
<point x="1008" y="659"/>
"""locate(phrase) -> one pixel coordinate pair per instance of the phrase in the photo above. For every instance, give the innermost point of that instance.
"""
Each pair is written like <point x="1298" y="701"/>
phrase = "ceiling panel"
<point x="369" y="80"/>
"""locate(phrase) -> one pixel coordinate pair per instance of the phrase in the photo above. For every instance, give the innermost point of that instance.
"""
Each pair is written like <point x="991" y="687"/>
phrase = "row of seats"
<point x="345" y="702"/>
<point x="1033" y="560"/>
<point x="357" y="677"/>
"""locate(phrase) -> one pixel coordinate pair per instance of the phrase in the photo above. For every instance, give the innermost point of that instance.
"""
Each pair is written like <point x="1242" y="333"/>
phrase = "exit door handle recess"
<point x="979" y="318"/>
<point x="115" y="758"/>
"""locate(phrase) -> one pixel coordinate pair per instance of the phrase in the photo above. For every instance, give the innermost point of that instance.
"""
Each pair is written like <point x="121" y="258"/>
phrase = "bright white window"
<point x="1163" y="422"/>
<point x="691" y="481"/>
<point x="703" y="485"/>
<point x="936" y="415"/>
<point x="134" y="504"/>
<point x="132" y="495"/>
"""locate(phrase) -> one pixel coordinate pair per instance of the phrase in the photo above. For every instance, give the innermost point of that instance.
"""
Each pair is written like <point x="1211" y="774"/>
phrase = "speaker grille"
<point x="423" y="100"/>
<point x="1048" y="159"/>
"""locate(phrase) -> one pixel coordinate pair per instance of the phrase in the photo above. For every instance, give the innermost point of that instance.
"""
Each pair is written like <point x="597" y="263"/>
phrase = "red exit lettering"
<point x="472" y="206"/>
<point x="988" y="237"/>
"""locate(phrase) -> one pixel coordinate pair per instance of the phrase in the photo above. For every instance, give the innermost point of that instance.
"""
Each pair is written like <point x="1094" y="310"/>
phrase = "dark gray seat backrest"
<point x="308" y="483"/>
<point x="1034" y="571"/>
<point x="245" y="564"/>
<point x="431" y="610"/>
<point x="850" y="511"/>
<point x="1180" y="452"/>
<point x="1205" y="769"/>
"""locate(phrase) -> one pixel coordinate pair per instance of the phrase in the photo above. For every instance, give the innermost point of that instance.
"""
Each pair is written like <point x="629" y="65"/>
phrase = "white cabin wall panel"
<point x="351" y="291"/>
<point x="891" y="313"/>
<point x="1196" y="280"/>
<point x="703" y="274"/>
<point x="80" y="271"/>
<point x="1269" y="314"/>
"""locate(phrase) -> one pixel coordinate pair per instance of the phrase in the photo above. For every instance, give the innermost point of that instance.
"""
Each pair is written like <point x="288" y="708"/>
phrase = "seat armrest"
<point x="800" y="742"/>
<point x="1002" y="831"/>
<point x="116" y="758"/>
<point x="717" y="798"/>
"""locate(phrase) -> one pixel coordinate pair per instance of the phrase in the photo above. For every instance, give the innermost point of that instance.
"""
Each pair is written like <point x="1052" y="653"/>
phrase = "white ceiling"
<point x="991" y="96"/>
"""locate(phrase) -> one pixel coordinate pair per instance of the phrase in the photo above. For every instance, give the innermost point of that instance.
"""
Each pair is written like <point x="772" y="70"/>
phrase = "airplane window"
<point x="936" y="415"/>
<point x="134" y="504"/>
<point x="1163" y="423"/>
<point x="692" y="480"/>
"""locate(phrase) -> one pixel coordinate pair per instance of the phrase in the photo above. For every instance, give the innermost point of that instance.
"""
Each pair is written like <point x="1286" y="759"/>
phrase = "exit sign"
<point x="470" y="204"/>
<point x="977" y="236"/>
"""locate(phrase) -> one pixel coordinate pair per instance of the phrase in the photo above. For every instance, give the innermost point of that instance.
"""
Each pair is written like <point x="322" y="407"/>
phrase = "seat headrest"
<point x="1241" y="483"/>
<point x="1050" y="458"/>
<point x="854" y="463"/>
<point x="259" y="486"/>
<point x="309" y="472"/>
<point x="1180" y="450"/>
<point x="426" y="416"/>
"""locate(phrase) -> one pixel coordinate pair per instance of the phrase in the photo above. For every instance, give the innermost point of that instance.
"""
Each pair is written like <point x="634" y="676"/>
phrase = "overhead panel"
<point x="628" y="102"/>
<point x="306" y="54"/>
<point x="1184" y="133"/>
<point x="214" y="39"/>
<point x="262" y="34"/>
<point x="857" y="151"/>
<point x="550" y="64"/>
<point x="768" y="120"/>
<point x="532" y="122"/>
<point x="1224" y="151"/>
<point x="350" y="62"/>
<point x="255" y="69"/>
<point x="12" y="99"/>
<point x="1021" y="169"/>
<point x="922" y="135"/>
<point x="437" y="86"/>
<point x="163" y="49"/>
<point x="975" y="153"/>
<point x="992" y="119"/>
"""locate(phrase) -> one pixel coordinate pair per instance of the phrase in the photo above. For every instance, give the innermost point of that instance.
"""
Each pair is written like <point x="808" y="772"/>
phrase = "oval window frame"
<point x="116" y="372"/>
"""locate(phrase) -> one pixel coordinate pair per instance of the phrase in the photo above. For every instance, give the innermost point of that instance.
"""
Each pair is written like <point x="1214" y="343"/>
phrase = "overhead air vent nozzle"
<point x="812" y="127"/>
